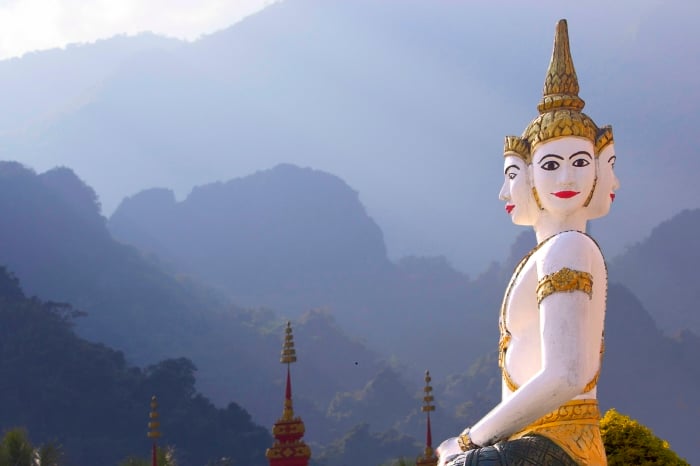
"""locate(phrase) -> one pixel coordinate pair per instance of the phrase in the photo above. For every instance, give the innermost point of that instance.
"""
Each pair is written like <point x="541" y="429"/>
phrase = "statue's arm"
<point x="569" y="358"/>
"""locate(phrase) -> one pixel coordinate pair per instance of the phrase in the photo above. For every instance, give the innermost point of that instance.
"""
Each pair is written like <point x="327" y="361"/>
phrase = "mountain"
<point x="59" y="248"/>
<point x="294" y="238"/>
<point x="658" y="271"/>
<point x="407" y="101"/>
<point x="84" y="397"/>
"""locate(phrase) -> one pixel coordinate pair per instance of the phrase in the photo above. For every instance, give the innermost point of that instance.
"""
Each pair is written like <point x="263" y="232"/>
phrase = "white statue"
<point x="558" y="175"/>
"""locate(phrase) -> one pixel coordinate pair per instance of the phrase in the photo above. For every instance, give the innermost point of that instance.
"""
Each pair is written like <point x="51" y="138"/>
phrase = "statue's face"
<point x="517" y="192"/>
<point x="607" y="183"/>
<point x="563" y="172"/>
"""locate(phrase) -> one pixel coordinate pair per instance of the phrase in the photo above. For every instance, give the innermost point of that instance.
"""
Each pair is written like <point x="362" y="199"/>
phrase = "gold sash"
<point x="574" y="426"/>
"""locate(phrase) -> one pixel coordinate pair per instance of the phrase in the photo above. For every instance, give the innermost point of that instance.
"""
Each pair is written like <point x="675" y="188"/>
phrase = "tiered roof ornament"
<point x="153" y="432"/>
<point x="288" y="448"/>
<point x="428" y="458"/>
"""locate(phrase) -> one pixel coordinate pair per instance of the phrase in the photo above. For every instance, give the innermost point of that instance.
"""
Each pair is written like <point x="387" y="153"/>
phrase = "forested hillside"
<point x="86" y="398"/>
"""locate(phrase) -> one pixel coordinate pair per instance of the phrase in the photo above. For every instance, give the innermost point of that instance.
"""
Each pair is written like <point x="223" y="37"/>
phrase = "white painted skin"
<point x="517" y="191"/>
<point x="607" y="183"/>
<point x="555" y="346"/>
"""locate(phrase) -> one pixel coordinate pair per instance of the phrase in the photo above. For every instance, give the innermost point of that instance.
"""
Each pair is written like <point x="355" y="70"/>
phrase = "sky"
<point x="30" y="25"/>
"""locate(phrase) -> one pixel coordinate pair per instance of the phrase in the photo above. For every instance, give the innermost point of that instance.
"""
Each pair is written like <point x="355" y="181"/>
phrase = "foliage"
<point x="17" y="450"/>
<point x="629" y="442"/>
<point x="86" y="397"/>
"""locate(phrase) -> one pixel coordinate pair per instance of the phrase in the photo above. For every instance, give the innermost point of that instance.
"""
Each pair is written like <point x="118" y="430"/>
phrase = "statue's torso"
<point x="521" y="343"/>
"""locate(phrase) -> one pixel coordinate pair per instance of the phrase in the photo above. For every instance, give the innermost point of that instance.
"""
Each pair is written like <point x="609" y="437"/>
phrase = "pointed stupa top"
<point x="428" y="458"/>
<point x="289" y="354"/>
<point x="154" y="423"/>
<point x="288" y="449"/>
<point x="560" y="83"/>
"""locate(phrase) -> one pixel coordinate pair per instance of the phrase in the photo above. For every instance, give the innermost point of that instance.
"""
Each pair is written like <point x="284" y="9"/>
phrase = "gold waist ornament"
<point x="574" y="426"/>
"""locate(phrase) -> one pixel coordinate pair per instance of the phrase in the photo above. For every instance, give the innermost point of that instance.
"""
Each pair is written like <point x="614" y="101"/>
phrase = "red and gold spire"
<point x="428" y="458"/>
<point x="288" y="448"/>
<point x="153" y="432"/>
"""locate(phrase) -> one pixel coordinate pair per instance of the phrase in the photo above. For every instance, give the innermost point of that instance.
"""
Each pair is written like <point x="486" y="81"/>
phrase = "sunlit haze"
<point x="29" y="25"/>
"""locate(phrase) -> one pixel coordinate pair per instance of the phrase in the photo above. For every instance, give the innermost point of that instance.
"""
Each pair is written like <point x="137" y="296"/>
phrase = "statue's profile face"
<point x="607" y="183"/>
<point x="517" y="192"/>
<point x="563" y="172"/>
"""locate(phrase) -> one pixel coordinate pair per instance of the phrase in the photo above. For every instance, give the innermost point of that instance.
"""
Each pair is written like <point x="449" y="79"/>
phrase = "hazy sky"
<point x="27" y="25"/>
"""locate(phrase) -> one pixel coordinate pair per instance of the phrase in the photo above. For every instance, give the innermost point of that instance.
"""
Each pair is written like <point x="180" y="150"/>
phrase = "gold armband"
<point x="465" y="442"/>
<point x="565" y="280"/>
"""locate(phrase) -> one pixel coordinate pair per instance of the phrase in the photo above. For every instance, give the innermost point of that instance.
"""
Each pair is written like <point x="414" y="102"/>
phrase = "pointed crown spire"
<point x="561" y="84"/>
<point x="560" y="107"/>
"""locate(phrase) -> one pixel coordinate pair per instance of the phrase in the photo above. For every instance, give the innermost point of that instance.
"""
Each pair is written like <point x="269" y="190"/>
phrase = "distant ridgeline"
<point x="308" y="233"/>
<point x="85" y="397"/>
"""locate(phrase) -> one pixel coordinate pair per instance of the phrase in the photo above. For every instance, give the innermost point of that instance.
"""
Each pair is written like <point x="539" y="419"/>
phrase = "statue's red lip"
<point x="510" y="207"/>
<point x="612" y="196"/>
<point x="566" y="194"/>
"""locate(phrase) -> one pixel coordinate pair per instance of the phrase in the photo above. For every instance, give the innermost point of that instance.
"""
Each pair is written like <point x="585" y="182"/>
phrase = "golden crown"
<point x="560" y="107"/>
<point x="603" y="138"/>
<point x="519" y="146"/>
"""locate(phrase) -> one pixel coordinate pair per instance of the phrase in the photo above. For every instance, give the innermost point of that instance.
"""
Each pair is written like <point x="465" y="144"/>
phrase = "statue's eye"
<point x="512" y="175"/>
<point x="581" y="163"/>
<point x="550" y="165"/>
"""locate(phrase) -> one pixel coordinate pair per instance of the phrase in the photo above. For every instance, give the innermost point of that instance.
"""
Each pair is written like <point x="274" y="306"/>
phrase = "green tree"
<point x="48" y="454"/>
<point x="629" y="442"/>
<point x="15" y="449"/>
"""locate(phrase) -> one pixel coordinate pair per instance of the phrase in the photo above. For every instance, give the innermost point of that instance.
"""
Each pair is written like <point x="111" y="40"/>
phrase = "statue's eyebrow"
<point x="551" y="155"/>
<point x="505" y="172"/>
<point x="581" y="152"/>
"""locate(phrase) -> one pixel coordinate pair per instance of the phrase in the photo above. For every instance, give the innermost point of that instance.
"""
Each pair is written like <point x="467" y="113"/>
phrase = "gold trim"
<point x="559" y="123"/>
<point x="565" y="280"/>
<point x="590" y="195"/>
<point x="519" y="146"/>
<point x="536" y="195"/>
<point x="465" y="442"/>
<point x="574" y="426"/>
<point x="603" y="138"/>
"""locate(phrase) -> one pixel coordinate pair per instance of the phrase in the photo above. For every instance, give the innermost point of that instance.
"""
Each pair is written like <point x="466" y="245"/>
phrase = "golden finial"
<point x="515" y="145"/>
<point x="561" y="84"/>
<point x="153" y="424"/>
<point x="289" y="354"/>
<point x="428" y="397"/>
<point x="603" y="138"/>
<point x="560" y="107"/>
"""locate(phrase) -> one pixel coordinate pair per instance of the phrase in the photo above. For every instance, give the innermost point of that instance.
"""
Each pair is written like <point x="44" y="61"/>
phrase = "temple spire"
<point x="153" y="432"/>
<point x="288" y="448"/>
<point x="428" y="458"/>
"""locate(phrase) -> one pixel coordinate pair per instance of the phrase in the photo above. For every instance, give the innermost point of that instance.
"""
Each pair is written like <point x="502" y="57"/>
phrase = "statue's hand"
<point x="447" y="451"/>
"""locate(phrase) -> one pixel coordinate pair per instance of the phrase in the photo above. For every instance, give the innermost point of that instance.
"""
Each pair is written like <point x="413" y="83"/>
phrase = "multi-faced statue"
<point x="608" y="183"/>
<point x="517" y="186"/>
<point x="558" y="175"/>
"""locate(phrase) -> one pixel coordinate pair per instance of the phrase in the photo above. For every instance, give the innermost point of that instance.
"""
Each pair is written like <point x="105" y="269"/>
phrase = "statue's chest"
<point x="521" y="311"/>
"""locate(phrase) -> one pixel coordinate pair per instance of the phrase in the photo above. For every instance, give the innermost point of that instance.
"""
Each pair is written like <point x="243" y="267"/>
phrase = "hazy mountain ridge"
<point x="293" y="238"/>
<point x="367" y="92"/>
<point x="666" y="287"/>
<point x="59" y="247"/>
